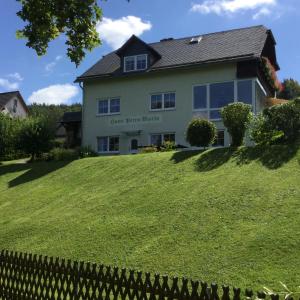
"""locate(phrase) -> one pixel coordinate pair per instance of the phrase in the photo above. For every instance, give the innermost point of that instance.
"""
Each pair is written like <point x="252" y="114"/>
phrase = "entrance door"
<point x="134" y="146"/>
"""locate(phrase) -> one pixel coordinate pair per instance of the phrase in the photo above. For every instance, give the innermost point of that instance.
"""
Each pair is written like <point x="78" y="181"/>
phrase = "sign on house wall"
<point x="132" y="120"/>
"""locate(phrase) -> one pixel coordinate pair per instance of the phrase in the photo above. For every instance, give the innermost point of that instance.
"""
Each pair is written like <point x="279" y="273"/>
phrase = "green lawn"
<point x="224" y="216"/>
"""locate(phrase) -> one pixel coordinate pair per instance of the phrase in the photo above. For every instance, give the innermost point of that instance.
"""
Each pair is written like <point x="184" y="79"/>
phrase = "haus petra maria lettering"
<point x="135" y="120"/>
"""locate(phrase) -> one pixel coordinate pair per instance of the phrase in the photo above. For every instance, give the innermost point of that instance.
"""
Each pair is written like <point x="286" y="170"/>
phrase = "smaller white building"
<point x="13" y="104"/>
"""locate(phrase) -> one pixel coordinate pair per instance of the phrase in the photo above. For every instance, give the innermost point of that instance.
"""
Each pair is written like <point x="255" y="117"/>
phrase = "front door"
<point x="134" y="146"/>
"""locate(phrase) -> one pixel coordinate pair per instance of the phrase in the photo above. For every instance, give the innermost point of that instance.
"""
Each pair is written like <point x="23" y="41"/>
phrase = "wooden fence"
<point x="27" y="276"/>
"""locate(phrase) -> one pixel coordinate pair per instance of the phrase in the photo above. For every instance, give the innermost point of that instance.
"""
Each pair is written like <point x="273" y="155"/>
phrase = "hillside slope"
<point x="229" y="217"/>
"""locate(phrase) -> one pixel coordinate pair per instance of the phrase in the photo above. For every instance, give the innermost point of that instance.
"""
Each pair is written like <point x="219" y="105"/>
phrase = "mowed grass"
<point x="227" y="216"/>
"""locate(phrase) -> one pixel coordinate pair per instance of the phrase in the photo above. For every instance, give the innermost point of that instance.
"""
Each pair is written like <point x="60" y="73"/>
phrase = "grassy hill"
<point x="224" y="216"/>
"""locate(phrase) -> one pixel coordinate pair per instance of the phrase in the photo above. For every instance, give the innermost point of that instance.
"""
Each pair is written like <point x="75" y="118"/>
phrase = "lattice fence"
<point x="27" y="276"/>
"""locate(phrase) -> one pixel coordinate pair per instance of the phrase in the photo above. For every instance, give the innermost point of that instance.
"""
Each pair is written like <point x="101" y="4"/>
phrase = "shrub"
<point x="236" y="117"/>
<point x="168" y="146"/>
<point x="35" y="136"/>
<point x="149" y="149"/>
<point x="86" y="151"/>
<point x="285" y="118"/>
<point x="8" y="138"/>
<point x="62" y="154"/>
<point x="261" y="132"/>
<point x="201" y="133"/>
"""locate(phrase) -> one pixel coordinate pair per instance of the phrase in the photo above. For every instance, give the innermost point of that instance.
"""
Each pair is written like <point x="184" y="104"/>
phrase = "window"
<point x="141" y="62"/>
<point x="108" y="144"/>
<point x="244" y="88"/>
<point x="221" y="94"/>
<point x="109" y="106"/>
<point x="163" y="101"/>
<point x="158" y="138"/>
<point x="135" y="63"/>
<point x="210" y="98"/>
<point x="129" y="63"/>
<point x="200" y="97"/>
<point x="219" y="142"/>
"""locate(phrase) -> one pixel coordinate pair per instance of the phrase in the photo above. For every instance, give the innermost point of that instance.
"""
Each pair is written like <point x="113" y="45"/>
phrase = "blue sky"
<point x="50" y="78"/>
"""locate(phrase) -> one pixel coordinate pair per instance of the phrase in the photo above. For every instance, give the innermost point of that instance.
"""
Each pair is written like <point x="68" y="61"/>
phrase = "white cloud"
<point x="16" y="76"/>
<point x="49" y="67"/>
<point x="54" y="94"/>
<point x="116" y="32"/>
<point x="7" y="85"/>
<point x="221" y="7"/>
<point x="261" y="13"/>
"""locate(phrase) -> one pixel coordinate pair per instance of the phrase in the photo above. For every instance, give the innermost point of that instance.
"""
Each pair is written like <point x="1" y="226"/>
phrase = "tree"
<point x="291" y="89"/>
<point x="53" y="113"/>
<point x="201" y="133"/>
<point x="236" y="117"/>
<point x="47" y="19"/>
<point x="35" y="136"/>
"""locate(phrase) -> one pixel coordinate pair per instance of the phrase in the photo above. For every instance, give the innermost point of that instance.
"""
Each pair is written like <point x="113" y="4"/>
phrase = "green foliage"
<point x="86" y="151"/>
<point x="53" y="113"/>
<point x="8" y="137"/>
<point x="236" y="117"/>
<point x="291" y="89"/>
<point x="261" y="131"/>
<point x="35" y="136"/>
<point x="47" y="19"/>
<point x="61" y="154"/>
<point x="167" y="146"/>
<point x="149" y="149"/>
<point x="284" y="118"/>
<point x="201" y="133"/>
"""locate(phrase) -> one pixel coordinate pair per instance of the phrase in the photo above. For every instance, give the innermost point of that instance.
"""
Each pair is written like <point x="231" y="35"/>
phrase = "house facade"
<point x="145" y="94"/>
<point x="13" y="104"/>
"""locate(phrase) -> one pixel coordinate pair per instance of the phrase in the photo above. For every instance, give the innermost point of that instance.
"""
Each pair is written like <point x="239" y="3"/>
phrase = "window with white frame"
<point x="135" y="63"/>
<point x="109" y="106"/>
<point x="210" y="98"/>
<point x="157" y="139"/>
<point x="108" y="144"/>
<point x="163" y="101"/>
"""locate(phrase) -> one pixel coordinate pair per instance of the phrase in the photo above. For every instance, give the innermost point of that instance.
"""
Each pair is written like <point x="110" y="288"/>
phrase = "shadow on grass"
<point x="180" y="156"/>
<point x="32" y="172"/>
<point x="271" y="157"/>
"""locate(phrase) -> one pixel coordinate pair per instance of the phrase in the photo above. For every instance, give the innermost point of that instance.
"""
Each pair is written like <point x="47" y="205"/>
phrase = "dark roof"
<point x="231" y="45"/>
<point x="71" y="117"/>
<point x="6" y="97"/>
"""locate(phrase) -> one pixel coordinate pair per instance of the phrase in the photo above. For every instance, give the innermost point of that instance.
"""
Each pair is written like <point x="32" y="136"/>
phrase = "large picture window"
<point x="210" y="98"/>
<point x="109" y="106"/>
<point x="135" y="63"/>
<point x="108" y="144"/>
<point x="244" y="88"/>
<point x="163" y="101"/>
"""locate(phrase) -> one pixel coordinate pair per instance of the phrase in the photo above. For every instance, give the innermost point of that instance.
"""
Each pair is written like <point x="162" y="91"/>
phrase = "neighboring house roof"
<point x="71" y="117"/>
<point x="6" y="97"/>
<point x="225" y="46"/>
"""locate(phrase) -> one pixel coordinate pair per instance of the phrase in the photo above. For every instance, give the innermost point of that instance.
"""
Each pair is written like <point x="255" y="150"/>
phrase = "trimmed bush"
<point x="236" y="117"/>
<point x="149" y="149"/>
<point x="167" y="146"/>
<point x="201" y="133"/>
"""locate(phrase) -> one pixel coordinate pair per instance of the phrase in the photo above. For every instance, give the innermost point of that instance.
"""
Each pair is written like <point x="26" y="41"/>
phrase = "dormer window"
<point x="135" y="63"/>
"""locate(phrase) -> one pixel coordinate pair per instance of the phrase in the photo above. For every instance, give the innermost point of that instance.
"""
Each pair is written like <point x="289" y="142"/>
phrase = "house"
<point x="144" y="94"/>
<point x="70" y="128"/>
<point x="13" y="104"/>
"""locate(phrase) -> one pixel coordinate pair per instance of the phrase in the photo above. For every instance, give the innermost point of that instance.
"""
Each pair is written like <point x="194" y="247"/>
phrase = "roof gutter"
<point x="179" y="66"/>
